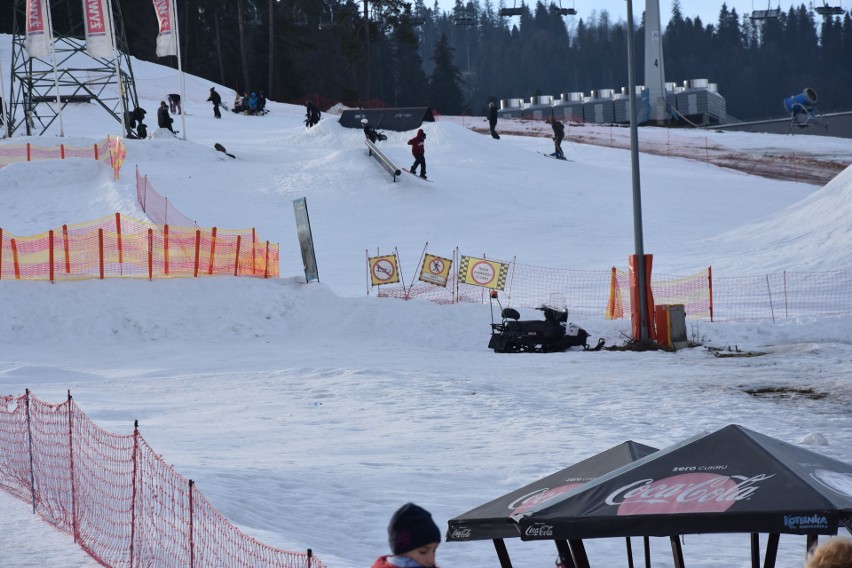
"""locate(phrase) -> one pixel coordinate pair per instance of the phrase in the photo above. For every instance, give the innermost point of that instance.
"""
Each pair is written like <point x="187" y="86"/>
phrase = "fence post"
<point x="65" y="246"/>
<point x="133" y="494"/>
<point x="62" y="151"/>
<point x="1" y="253"/>
<point x="786" y="307"/>
<point x="30" y="439"/>
<point x="166" y="213"/>
<point x="310" y="555"/>
<point x="29" y="153"/>
<point x="118" y="238"/>
<point x="145" y="194"/>
<point x="50" y="254"/>
<point x="212" y="250"/>
<point x="15" y="260"/>
<point x="266" y="262"/>
<point x="236" y="256"/>
<point x="150" y="254"/>
<point x="71" y="458"/>
<point x="166" y="249"/>
<point x="710" y="287"/>
<point x="96" y="150"/>
<point x="197" y="251"/>
<point x="191" y="541"/>
<point x="769" y="292"/>
<point x="253" y="253"/>
<point x="101" y="250"/>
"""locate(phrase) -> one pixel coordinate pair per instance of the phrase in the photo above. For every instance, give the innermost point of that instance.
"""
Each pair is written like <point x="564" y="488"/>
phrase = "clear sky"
<point x="708" y="10"/>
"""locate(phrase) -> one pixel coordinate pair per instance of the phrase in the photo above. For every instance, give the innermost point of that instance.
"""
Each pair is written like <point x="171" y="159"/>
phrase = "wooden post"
<point x="166" y="249"/>
<point x="118" y="237"/>
<point x="15" y="260"/>
<point x="197" y="251"/>
<point x="133" y="494"/>
<point x="236" y="256"/>
<point x="1" y="253"/>
<point x="191" y="543"/>
<point x="150" y="254"/>
<point x="101" y="250"/>
<point x="96" y="150"/>
<point x="62" y="151"/>
<point x="253" y="257"/>
<point x="29" y="152"/>
<point x="212" y="250"/>
<point x="710" y="287"/>
<point x="74" y="529"/>
<point x="266" y="262"/>
<point x="50" y="254"/>
<point x="65" y="246"/>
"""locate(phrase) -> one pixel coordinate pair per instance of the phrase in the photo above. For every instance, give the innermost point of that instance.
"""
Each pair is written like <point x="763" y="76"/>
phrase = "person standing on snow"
<point x="558" y="135"/>
<point x="413" y="537"/>
<point x="312" y="114"/>
<point x="216" y="100"/>
<point x="174" y="103"/>
<point x="163" y="118"/>
<point x="492" y="119"/>
<point x="418" y="150"/>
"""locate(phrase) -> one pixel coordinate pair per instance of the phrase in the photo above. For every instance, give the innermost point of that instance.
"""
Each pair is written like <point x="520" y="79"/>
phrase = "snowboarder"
<point x="220" y="148"/>
<point x="492" y="119"/>
<point x="418" y="150"/>
<point x="413" y="537"/>
<point x="371" y="133"/>
<point x="174" y="103"/>
<point x="558" y="135"/>
<point x="216" y="100"/>
<point x="312" y="114"/>
<point x="163" y="118"/>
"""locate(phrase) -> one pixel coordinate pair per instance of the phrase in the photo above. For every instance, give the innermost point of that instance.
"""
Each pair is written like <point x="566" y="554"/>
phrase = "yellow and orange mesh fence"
<point x="122" y="247"/>
<point x="704" y="295"/>
<point x="124" y="505"/>
<point x="111" y="151"/>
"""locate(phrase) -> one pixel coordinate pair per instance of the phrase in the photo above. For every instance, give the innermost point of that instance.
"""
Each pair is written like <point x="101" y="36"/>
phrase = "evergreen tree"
<point x="444" y="92"/>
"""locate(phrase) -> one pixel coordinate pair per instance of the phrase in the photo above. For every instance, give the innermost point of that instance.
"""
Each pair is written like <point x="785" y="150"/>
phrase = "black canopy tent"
<point x="733" y="480"/>
<point x="493" y="519"/>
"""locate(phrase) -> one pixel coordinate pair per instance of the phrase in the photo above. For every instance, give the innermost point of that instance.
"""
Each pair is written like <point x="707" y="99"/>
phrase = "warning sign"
<point x="482" y="272"/>
<point x="436" y="270"/>
<point x="383" y="270"/>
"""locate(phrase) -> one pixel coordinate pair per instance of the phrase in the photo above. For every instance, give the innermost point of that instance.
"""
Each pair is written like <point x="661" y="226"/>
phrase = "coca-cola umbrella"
<point x="493" y="520"/>
<point x="733" y="480"/>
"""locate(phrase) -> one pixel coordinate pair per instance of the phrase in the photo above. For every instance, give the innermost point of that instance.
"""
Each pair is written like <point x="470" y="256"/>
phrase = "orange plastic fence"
<point x="704" y="295"/>
<point x="122" y="503"/>
<point x="156" y="207"/>
<point x="122" y="247"/>
<point x="111" y="151"/>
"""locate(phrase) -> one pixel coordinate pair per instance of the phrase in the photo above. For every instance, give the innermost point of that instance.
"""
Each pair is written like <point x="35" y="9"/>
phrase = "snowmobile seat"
<point x="510" y="313"/>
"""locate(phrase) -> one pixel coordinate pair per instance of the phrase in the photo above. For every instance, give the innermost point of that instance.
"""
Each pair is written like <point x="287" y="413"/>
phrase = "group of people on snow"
<point x="254" y="104"/>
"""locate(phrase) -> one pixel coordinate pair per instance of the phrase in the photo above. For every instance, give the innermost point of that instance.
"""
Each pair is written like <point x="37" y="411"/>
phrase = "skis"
<point x="418" y="176"/>
<point x="554" y="157"/>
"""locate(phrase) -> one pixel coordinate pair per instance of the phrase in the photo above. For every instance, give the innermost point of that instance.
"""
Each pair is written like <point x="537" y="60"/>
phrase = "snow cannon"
<point x="801" y="103"/>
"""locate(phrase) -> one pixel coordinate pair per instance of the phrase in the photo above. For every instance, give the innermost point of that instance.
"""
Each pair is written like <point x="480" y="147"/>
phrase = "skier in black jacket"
<point x="492" y="119"/>
<point x="558" y="135"/>
<point x="163" y="118"/>
<point x="216" y="100"/>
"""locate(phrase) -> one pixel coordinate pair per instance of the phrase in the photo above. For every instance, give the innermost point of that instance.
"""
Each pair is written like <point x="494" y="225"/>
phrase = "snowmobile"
<point x="554" y="334"/>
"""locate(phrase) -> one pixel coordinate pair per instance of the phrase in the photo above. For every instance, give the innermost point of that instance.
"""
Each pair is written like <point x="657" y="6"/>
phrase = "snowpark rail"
<point x="382" y="159"/>
<point x="118" y="498"/>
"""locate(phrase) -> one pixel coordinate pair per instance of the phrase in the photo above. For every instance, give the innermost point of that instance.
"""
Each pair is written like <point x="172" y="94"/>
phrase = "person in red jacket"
<point x="417" y="150"/>
<point x="413" y="537"/>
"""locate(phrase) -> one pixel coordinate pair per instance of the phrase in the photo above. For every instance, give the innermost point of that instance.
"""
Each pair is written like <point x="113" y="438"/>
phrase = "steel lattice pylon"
<point x="80" y="77"/>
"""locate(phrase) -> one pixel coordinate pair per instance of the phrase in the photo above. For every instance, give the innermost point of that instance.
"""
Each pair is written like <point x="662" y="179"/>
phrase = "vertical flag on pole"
<point x="98" y="28"/>
<point x="39" y="33"/>
<point x="167" y="39"/>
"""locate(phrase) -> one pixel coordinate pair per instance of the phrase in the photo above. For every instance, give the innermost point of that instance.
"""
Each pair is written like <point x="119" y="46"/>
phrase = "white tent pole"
<point x="180" y="72"/>
<point x="5" y="103"/>
<point x="117" y="69"/>
<point x="55" y="72"/>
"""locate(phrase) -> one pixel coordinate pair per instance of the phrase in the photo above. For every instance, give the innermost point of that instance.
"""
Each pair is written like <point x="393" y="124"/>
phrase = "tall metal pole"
<point x="367" y="40"/>
<point x="180" y="73"/>
<point x="637" y="194"/>
<point x="4" y="104"/>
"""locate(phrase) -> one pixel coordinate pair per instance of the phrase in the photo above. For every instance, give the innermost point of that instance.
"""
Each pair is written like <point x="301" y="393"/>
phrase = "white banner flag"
<point x="167" y="40"/>
<point x="39" y="35"/>
<point x="98" y="27"/>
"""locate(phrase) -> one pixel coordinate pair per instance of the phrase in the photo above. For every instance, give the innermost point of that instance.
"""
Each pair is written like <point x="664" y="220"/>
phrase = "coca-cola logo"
<point x="539" y="530"/>
<point x="460" y="533"/>
<point x="539" y="497"/>
<point x="687" y="493"/>
<point x="835" y="480"/>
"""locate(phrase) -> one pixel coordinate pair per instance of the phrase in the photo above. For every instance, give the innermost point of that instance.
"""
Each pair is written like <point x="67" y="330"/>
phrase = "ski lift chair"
<point x="463" y="19"/>
<point x="570" y="11"/>
<point x="826" y="10"/>
<point x="767" y="14"/>
<point x="513" y="11"/>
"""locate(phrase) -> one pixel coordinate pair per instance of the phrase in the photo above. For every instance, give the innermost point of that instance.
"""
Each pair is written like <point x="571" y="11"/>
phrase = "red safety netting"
<point x="111" y="151"/>
<point x="156" y="207"/>
<point x="122" y="247"/>
<point x="123" y="504"/>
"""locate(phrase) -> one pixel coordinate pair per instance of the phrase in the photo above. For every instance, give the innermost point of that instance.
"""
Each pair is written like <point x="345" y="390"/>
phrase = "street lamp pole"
<point x="637" y="194"/>
<point x="367" y="41"/>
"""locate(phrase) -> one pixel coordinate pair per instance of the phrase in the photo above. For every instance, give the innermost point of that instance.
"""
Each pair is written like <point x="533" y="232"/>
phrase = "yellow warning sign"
<point x="436" y="270"/>
<point x="383" y="269"/>
<point x="482" y="272"/>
